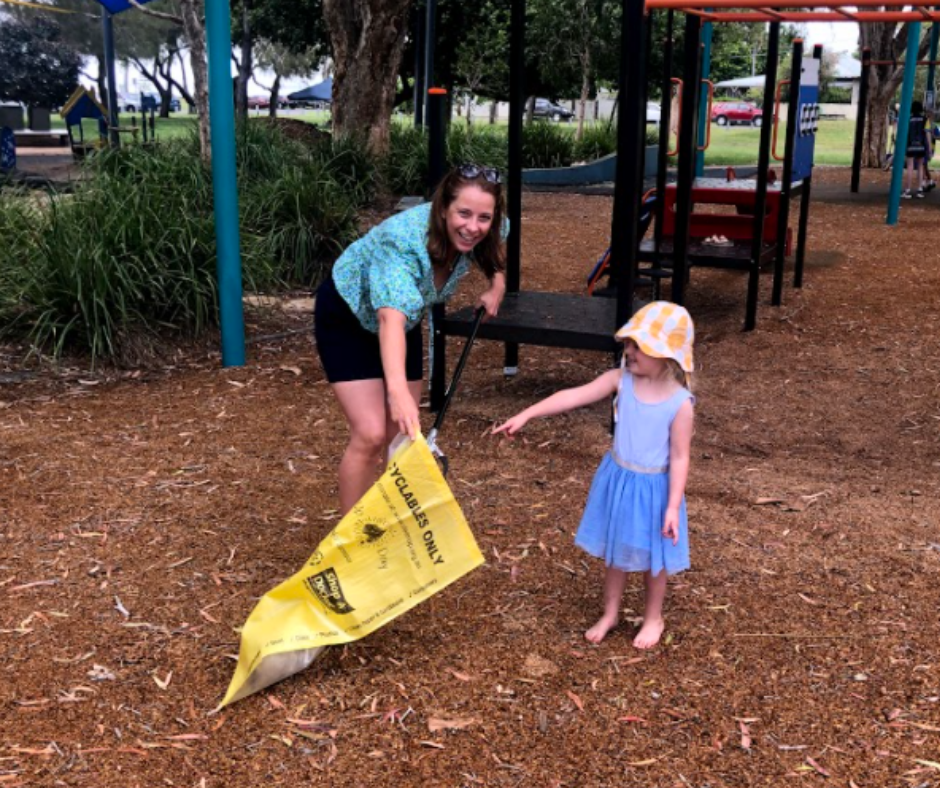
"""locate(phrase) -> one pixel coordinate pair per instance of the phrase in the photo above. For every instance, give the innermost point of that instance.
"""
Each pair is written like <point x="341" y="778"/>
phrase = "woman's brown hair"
<point x="490" y="253"/>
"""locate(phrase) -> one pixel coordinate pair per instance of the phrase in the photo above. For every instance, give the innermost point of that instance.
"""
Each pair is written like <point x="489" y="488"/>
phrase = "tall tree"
<point x="368" y="37"/>
<point x="39" y="68"/>
<point x="887" y="41"/>
<point x="284" y="63"/>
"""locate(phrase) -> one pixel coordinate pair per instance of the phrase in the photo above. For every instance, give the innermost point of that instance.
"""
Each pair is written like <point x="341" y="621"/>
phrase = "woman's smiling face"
<point x="469" y="218"/>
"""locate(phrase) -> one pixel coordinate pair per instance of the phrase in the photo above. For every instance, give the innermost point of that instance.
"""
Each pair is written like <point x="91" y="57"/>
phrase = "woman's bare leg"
<point x="615" y="581"/>
<point x="363" y="403"/>
<point x="653" y="622"/>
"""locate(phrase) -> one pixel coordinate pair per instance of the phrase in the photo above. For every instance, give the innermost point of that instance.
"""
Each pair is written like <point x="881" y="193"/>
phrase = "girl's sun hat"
<point x="662" y="330"/>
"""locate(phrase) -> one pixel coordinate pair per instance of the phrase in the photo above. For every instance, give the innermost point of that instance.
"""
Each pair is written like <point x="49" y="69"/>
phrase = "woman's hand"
<point x="403" y="410"/>
<point x="513" y="425"/>
<point x="491" y="298"/>
<point x="671" y="525"/>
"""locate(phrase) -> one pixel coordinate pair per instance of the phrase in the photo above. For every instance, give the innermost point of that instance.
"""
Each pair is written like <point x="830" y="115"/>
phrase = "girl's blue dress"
<point x="626" y="507"/>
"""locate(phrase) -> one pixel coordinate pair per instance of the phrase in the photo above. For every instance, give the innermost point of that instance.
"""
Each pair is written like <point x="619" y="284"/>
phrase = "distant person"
<point x="635" y="517"/>
<point x="930" y="142"/>
<point x="916" y="151"/>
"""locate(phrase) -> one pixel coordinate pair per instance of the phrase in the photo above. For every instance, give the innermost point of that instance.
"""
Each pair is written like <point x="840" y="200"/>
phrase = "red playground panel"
<point x="735" y="226"/>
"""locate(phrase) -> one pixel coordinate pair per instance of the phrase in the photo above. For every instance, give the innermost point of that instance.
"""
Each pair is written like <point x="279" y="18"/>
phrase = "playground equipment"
<point x="563" y="320"/>
<point x="930" y="99"/>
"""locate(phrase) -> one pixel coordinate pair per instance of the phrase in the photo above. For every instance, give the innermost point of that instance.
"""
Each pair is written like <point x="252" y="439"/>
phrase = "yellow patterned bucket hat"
<point x="662" y="330"/>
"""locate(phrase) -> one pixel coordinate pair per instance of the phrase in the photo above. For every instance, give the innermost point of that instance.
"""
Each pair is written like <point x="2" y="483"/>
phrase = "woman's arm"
<point x="402" y="407"/>
<point x="680" y="449"/>
<point x="562" y="401"/>
<point x="491" y="298"/>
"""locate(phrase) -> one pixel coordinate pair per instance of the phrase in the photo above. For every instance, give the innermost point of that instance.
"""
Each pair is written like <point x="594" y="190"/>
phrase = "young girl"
<point x="635" y="517"/>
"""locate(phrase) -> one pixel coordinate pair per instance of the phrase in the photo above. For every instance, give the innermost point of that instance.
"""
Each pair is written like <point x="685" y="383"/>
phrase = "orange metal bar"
<point x="771" y="13"/>
<point x="900" y="63"/>
<point x="847" y="14"/>
<point x="773" y="146"/>
<point x="708" y="116"/>
<point x="799" y="16"/>
<point x="681" y="85"/>
<point x="778" y="4"/>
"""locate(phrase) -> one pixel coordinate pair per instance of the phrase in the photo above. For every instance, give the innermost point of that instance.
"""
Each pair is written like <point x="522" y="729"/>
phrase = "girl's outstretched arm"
<point x="562" y="401"/>
<point x="680" y="449"/>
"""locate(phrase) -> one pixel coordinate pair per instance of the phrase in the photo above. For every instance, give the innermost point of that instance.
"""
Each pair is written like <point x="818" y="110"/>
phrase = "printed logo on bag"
<point x="371" y="533"/>
<point x="327" y="588"/>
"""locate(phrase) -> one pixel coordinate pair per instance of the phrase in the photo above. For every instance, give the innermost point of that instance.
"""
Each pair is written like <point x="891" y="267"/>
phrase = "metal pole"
<point x="665" y="121"/>
<point x="860" y="120"/>
<point x="803" y="224"/>
<point x="786" y="182"/>
<point x="703" y="119"/>
<point x="628" y="186"/>
<point x="419" y="69"/>
<point x="514" y="179"/>
<point x="904" y="122"/>
<point x="429" y="42"/>
<point x="437" y="105"/>
<point x="686" y="167"/>
<point x="107" y="30"/>
<point x="931" y="103"/>
<point x="760" y="198"/>
<point x="224" y="182"/>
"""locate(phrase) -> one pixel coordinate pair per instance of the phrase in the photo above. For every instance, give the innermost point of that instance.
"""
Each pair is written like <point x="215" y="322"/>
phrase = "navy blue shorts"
<point x="350" y="352"/>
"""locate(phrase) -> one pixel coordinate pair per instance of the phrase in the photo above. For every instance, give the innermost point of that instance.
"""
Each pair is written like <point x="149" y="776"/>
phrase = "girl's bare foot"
<point x="649" y="634"/>
<point x="599" y="631"/>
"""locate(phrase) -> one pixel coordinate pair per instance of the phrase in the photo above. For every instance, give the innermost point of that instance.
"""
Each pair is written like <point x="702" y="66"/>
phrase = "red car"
<point x="725" y="113"/>
<point x="258" y="102"/>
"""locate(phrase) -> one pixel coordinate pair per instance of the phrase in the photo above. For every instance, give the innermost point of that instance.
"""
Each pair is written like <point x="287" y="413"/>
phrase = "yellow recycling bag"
<point x="403" y="542"/>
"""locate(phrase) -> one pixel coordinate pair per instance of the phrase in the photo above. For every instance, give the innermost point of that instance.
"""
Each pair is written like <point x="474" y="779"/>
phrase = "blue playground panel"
<point x="807" y="119"/>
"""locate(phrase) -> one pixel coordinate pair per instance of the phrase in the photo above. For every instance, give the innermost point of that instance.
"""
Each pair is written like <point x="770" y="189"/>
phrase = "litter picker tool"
<point x="448" y="396"/>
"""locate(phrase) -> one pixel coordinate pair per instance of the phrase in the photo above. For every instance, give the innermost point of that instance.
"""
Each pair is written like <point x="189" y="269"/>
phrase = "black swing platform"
<point x="549" y="319"/>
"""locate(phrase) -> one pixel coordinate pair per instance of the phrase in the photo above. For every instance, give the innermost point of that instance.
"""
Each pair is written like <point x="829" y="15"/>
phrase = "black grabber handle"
<point x="461" y="363"/>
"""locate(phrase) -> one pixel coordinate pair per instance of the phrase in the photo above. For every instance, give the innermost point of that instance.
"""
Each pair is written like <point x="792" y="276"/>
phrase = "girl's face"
<point x="469" y="218"/>
<point x="642" y="365"/>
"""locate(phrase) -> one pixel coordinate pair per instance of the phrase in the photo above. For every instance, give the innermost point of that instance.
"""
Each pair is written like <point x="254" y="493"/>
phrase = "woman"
<point x="368" y="314"/>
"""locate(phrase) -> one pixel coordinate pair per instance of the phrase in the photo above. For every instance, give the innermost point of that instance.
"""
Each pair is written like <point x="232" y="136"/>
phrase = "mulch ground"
<point x="143" y="512"/>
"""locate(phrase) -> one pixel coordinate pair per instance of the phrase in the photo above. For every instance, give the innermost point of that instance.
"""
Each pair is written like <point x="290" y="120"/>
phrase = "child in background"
<point x="916" y="152"/>
<point x="635" y="517"/>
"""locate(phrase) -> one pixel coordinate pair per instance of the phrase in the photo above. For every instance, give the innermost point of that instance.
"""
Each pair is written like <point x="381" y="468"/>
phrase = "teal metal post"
<point x="224" y="182"/>
<point x="904" y="122"/>
<point x="932" y="68"/>
<point x="703" y="119"/>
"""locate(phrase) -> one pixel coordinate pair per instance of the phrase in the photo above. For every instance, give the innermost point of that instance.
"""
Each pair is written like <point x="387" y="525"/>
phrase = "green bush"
<point x="546" y="145"/>
<point x="598" y="141"/>
<point x="131" y="254"/>
<point x="404" y="169"/>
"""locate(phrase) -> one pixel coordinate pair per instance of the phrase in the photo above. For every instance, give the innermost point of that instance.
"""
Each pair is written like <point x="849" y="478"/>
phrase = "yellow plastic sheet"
<point x="403" y="542"/>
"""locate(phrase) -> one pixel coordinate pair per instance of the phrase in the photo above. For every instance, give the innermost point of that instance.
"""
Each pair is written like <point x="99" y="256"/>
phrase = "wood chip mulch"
<point x="143" y="512"/>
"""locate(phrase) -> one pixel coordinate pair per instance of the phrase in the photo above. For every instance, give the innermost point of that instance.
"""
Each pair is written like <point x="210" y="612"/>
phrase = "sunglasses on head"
<point x="471" y="171"/>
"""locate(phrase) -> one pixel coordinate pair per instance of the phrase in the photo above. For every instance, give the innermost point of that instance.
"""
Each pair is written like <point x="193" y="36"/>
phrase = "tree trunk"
<point x="275" y="95"/>
<point x="195" y="31"/>
<point x="494" y="110"/>
<point x="887" y="41"/>
<point x="244" y="65"/>
<point x="585" y="90"/>
<point x="368" y="38"/>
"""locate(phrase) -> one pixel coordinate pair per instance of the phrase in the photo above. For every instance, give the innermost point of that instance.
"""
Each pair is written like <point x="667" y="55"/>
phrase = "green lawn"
<point x="738" y="144"/>
<point x="181" y="124"/>
<point x="733" y="145"/>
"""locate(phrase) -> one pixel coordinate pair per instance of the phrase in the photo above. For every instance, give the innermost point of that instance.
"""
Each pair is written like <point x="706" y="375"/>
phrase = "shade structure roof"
<point x="117" y="6"/>
<point x="322" y="91"/>
<point x="803" y="11"/>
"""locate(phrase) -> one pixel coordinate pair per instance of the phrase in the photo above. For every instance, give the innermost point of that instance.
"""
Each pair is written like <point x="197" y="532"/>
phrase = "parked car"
<point x="129" y="102"/>
<point x="259" y="102"/>
<point x="654" y="112"/>
<point x="726" y="113"/>
<point x="550" y="110"/>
